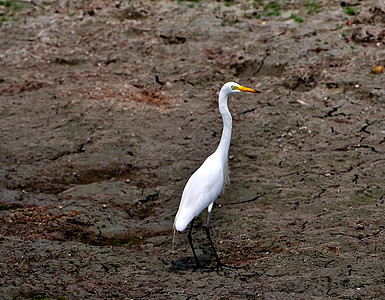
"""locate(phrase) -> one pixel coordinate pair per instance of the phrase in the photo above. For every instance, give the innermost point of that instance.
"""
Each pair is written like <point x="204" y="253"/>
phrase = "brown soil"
<point x="107" y="107"/>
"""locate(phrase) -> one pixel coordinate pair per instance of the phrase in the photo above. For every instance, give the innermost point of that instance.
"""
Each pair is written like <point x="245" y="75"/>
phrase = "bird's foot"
<point x="220" y="266"/>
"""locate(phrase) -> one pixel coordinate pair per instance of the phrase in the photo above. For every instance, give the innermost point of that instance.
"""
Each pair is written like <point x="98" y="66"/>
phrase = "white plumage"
<point x="201" y="190"/>
<point x="206" y="184"/>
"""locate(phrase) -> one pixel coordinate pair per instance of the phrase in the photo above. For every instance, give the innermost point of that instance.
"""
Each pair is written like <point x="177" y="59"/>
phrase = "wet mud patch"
<point x="60" y="223"/>
<point x="68" y="175"/>
<point x="34" y="221"/>
<point x="78" y="232"/>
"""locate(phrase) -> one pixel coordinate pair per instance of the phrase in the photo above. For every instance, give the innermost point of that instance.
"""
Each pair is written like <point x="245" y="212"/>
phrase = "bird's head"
<point x="233" y="87"/>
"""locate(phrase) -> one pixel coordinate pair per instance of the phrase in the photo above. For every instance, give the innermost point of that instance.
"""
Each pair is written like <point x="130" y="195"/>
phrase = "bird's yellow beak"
<point x="246" y="89"/>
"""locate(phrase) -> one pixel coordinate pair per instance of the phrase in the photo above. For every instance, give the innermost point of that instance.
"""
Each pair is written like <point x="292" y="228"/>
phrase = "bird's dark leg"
<point x="219" y="264"/>
<point x="189" y="237"/>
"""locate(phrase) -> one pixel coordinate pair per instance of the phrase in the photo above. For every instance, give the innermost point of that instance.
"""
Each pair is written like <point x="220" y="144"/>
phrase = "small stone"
<point x="360" y="227"/>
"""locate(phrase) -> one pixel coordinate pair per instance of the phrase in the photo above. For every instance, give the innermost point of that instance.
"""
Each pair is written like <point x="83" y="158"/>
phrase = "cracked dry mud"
<point x="106" y="109"/>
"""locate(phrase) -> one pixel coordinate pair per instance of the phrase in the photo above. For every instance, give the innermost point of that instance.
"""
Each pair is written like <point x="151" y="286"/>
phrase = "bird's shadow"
<point x="188" y="264"/>
<point x="207" y="264"/>
<point x="184" y="264"/>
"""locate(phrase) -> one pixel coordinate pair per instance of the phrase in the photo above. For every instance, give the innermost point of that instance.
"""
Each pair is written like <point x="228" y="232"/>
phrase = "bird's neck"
<point x="223" y="148"/>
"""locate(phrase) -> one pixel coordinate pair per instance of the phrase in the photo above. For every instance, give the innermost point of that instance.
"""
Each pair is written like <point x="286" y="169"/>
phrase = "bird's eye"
<point x="233" y="87"/>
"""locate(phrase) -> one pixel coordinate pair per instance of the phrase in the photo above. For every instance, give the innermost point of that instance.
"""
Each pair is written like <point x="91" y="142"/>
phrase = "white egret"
<point x="206" y="184"/>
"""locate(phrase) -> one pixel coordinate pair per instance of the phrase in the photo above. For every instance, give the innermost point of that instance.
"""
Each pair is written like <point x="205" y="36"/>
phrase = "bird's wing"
<point x="202" y="189"/>
<point x="205" y="184"/>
